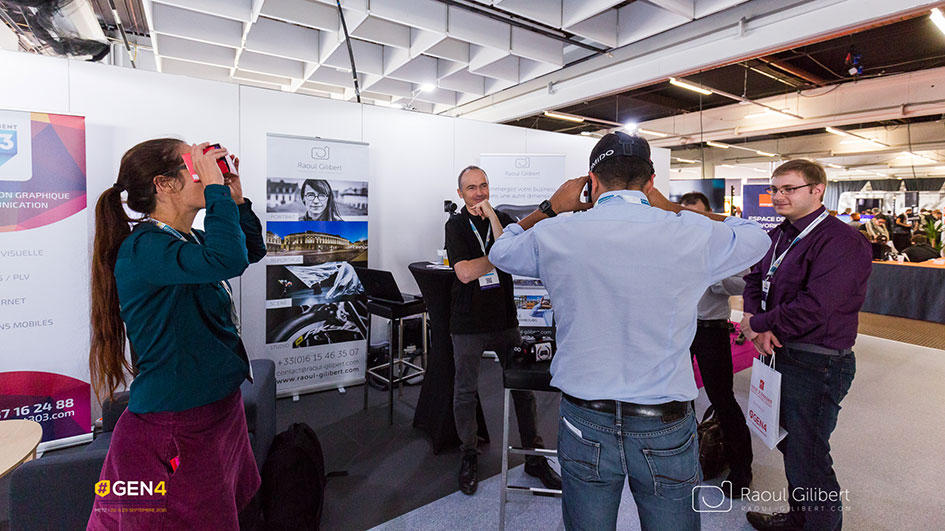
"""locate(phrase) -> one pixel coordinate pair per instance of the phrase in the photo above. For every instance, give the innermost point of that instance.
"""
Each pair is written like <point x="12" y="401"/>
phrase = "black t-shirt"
<point x="476" y="310"/>
<point x="920" y="253"/>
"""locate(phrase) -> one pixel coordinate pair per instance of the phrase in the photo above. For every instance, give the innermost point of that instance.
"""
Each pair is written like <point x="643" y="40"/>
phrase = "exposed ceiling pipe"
<point x="124" y="36"/>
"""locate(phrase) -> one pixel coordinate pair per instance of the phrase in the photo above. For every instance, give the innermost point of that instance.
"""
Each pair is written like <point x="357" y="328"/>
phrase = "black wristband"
<point x="545" y="208"/>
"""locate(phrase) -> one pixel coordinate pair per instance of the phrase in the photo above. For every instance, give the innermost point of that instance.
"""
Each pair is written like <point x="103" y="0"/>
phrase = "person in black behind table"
<point x="712" y="348"/>
<point x="484" y="318"/>
<point x="920" y="250"/>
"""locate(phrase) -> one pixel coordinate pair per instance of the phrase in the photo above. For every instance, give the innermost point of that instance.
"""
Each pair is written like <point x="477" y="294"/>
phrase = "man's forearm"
<point x="469" y="270"/>
<point x="530" y="220"/>
<point x="496" y="225"/>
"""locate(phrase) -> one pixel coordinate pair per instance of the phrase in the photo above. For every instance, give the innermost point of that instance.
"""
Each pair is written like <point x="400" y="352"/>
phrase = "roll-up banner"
<point x="316" y="233"/>
<point x="757" y="206"/>
<point x="44" y="275"/>
<point x="517" y="184"/>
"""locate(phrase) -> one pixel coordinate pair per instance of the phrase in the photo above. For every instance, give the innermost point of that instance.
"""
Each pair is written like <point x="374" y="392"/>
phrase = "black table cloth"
<point x="913" y="291"/>
<point x="434" y="413"/>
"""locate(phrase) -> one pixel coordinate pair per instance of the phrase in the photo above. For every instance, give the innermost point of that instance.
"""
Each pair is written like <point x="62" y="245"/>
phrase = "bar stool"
<point x="522" y="377"/>
<point x="395" y="312"/>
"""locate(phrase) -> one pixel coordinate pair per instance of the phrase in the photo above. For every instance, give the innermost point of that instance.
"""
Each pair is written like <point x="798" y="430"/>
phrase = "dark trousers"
<point x="713" y="351"/>
<point x="812" y="386"/>
<point x="467" y="355"/>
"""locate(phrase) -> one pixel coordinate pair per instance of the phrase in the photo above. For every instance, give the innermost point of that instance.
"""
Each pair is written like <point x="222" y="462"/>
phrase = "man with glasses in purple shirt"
<point x="801" y="303"/>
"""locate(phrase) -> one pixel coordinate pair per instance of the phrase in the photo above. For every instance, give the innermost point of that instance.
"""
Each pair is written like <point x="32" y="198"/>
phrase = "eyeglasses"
<point x="312" y="195"/>
<point x="785" y="190"/>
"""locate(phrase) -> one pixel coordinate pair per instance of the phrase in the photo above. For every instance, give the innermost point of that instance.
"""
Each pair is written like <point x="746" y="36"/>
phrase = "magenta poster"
<point x="44" y="308"/>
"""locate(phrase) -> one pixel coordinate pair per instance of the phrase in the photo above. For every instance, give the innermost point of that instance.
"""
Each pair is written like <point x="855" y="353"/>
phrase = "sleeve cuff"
<point x="759" y="323"/>
<point x="216" y="191"/>
<point x="513" y="228"/>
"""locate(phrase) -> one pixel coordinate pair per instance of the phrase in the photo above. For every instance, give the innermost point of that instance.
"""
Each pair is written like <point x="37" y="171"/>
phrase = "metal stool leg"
<point x="366" y="356"/>
<point x="390" y="373"/>
<point x="400" y="357"/>
<point x="424" y="325"/>
<point x="504" y="487"/>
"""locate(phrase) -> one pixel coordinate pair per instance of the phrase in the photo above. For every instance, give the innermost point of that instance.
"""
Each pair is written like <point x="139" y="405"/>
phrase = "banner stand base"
<point x="295" y="393"/>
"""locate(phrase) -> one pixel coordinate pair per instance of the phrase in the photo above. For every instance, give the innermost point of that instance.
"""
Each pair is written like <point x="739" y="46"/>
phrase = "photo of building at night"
<point x="318" y="241"/>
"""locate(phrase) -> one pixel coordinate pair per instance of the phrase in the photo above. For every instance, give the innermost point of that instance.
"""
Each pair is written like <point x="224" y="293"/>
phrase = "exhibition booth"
<point x="346" y="320"/>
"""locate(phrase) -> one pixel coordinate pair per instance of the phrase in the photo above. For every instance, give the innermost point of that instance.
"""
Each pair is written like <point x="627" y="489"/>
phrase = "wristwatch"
<point x="545" y="208"/>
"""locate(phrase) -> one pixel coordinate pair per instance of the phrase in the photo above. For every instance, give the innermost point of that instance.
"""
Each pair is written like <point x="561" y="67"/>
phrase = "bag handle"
<point x="708" y="412"/>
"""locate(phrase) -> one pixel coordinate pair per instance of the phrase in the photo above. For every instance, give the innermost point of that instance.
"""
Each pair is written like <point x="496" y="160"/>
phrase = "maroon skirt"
<point x="191" y="469"/>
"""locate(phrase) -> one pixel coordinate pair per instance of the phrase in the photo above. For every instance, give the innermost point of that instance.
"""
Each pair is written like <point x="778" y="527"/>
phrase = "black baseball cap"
<point x="619" y="144"/>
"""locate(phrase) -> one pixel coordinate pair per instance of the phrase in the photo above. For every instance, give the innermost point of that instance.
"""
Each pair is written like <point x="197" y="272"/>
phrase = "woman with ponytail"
<point x="162" y="285"/>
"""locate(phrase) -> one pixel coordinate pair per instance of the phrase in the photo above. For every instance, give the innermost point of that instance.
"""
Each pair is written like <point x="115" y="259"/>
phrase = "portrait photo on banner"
<point x="315" y="199"/>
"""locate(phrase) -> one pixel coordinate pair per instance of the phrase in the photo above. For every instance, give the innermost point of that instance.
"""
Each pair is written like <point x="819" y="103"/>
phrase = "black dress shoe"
<point x="468" y="482"/>
<point x="543" y="471"/>
<point x="740" y="485"/>
<point x="776" y="521"/>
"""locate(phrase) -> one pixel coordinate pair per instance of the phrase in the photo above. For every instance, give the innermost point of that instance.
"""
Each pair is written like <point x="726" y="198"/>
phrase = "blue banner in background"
<point x="756" y="206"/>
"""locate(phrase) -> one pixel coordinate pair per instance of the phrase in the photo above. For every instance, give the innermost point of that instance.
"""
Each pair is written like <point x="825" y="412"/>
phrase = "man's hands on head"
<point x="658" y="200"/>
<point x="568" y="196"/>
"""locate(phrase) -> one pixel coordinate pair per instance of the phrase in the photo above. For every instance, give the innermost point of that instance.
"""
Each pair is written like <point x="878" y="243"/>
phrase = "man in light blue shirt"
<point x="626" y="277"/>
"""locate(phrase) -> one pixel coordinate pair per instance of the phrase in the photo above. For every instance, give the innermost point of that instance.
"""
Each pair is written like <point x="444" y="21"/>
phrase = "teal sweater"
<point x="176" y="312"/>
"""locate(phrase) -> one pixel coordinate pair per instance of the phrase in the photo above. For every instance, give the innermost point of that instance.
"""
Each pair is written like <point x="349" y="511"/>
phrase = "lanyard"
<point x="476" y="233"/>
<point x="773" y="268"/>
<point x="234" y="315"/>
<point x="627" y="197"/>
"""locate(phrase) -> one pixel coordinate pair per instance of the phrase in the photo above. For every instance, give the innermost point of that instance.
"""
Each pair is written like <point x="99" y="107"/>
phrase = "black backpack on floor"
<point x="293" y="481"/>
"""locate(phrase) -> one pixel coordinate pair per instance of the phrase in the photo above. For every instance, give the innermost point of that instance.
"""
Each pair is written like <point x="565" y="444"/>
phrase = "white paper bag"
<point x="764" y="403"/>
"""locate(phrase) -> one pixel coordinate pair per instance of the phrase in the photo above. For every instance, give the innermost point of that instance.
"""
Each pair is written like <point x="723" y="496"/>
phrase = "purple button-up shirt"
<point x="817" y="292"/>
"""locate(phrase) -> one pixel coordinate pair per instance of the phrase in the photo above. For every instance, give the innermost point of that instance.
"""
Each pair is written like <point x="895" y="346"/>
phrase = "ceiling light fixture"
<point x="726" y="165"/>
<point x="837" y="166"/>
<point x="630" y="126"/>
<point x="652" y="133"/>
<point x="588" y="133"/>
<point x="427" y="87"/>
<point x="938" y="18"/>
<point x="765" y="153"/>
<point x="687" y="86"/>
<point x="562" y="116"/>
<point x="841" y="132"/>
<point x="690" y="161"/>
<point x="717" y="145"/>
<point x="765" y="112"/>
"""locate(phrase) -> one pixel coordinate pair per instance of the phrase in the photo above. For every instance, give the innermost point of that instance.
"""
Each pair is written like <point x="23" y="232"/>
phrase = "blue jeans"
<point x="812" y="386"/>
<point x="599" y="451"/>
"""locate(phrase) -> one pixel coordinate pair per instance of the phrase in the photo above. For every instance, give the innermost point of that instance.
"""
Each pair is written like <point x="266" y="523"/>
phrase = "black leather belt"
<point x="712" y="323"/>
<point x="669" y="411"/>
